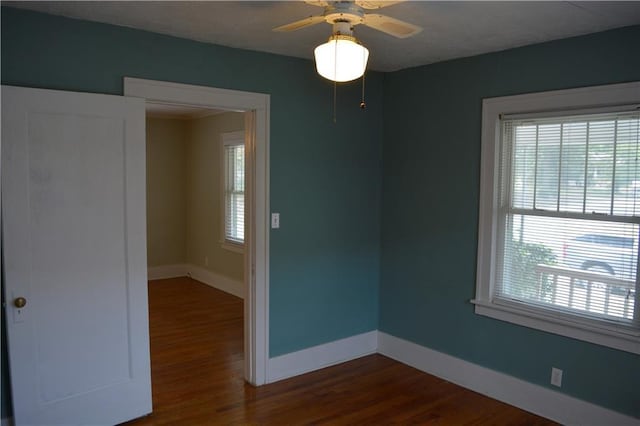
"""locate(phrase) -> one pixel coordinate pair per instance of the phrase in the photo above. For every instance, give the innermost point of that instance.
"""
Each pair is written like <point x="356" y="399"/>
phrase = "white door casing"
<point x="256" y="107"/>
<point x="74" y="235"/>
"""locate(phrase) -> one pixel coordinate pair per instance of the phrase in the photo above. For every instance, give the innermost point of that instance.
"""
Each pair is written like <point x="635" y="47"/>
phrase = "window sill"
<point x="624" y="339"/>
<point x="234" y="247"/>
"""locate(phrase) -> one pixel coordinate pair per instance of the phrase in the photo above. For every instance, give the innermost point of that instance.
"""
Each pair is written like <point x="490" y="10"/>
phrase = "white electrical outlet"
<point x="275" y="220"/>
<point x="556" y="377"/>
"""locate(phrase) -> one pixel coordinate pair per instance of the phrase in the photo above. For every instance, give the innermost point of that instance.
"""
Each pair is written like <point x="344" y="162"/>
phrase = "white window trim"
<point x="597" y="97"/>
<point x="230" y="138"/>
<point x="232" y="246"/>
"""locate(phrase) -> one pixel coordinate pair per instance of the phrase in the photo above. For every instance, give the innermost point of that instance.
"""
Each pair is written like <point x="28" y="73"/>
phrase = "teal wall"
<point x="430" y="212"/>
<point x="325" y="177"/>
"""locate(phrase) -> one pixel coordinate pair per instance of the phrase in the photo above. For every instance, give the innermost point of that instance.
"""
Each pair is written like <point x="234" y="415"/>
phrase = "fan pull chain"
<point x="363" y="104"/>
<point x="335" y="84"/>
<point x="334" y="102"/>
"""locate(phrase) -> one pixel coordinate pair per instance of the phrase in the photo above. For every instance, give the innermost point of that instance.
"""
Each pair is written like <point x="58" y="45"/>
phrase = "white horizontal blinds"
<point x="626" y="199"/>
<point x="234" y="192"/>
<point x="576" y="164"/>
<point x="570" y="225"/>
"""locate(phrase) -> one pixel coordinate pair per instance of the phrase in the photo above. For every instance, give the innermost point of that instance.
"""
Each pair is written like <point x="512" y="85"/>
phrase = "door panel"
<point x="74" y="245"/>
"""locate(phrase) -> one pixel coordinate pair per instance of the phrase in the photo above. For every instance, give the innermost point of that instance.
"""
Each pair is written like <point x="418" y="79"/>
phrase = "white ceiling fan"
<point x="353" y="13"/>
<point x="343" y="58"/>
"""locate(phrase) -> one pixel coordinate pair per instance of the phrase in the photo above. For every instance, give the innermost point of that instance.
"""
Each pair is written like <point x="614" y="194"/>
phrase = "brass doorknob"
<point x="20" y="302"/>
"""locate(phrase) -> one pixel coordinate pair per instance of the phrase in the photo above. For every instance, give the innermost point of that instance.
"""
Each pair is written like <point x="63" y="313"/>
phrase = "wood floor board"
<point x="197" y="377"/>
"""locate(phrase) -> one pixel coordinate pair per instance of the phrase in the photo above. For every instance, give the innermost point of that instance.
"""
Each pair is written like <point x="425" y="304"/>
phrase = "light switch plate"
<point x="556" y="377"/>
<point x="275" y="220"/>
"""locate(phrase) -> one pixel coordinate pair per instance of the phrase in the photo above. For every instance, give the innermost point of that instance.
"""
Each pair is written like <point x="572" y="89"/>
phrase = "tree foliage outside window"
<point x="524" y="259"/>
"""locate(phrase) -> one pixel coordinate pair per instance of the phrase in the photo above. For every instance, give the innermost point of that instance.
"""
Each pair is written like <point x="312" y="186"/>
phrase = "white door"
<point x="74" y="235"/>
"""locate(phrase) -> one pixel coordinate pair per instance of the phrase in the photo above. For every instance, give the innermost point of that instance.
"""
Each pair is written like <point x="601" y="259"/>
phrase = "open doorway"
<point x="255" y="109"/>
<point x="195" y="173"/>
<point x="195" y="195"/>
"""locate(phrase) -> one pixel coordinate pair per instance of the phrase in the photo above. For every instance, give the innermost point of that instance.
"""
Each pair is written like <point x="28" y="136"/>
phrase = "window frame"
<point x="591" y="99"/>
<point x="228" y="139"/>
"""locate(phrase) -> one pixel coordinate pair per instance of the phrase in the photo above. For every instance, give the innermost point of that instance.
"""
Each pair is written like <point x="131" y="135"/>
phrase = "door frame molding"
<point x="256" y="266"/>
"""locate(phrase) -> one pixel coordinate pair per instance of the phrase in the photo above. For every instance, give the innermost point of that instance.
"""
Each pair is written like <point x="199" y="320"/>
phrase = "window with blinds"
<point x="569" y="214"/>
<point x="233" y="159"/>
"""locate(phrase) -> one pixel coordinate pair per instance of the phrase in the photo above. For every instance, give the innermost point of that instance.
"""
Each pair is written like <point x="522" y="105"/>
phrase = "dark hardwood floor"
<point x="197" y="361"/>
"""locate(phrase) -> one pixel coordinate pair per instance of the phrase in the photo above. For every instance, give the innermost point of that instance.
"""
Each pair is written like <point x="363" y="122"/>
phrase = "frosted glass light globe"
<point x="341" y="58"/>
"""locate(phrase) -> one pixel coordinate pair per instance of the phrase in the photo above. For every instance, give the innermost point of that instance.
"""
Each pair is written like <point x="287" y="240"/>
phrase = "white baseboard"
<point x="519" y="393"/>
<point x="205" y="276"/>
<point x="218" y="281"/>
<point x="166" y="271"/>
<point x="527" y="396"/>
<point x="317" y="357"/>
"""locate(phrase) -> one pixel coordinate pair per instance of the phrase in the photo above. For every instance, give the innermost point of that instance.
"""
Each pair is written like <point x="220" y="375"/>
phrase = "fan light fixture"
<point x="342" y="58"/>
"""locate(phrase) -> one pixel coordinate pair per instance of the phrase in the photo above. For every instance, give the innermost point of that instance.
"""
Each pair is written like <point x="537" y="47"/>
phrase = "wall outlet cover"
<point x="556" y="377"/>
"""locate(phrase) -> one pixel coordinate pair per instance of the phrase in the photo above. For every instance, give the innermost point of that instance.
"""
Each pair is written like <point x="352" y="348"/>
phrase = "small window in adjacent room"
<point x="560" y="213"/>
<point x="233" y="190"/>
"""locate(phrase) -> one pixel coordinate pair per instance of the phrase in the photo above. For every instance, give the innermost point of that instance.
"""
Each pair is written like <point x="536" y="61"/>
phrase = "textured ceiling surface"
<point x="452" y="29"/>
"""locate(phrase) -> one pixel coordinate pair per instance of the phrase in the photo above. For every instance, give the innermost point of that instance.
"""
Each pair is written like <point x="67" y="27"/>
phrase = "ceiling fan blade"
<point x="391" y="26"/>
<point x="376" y="4"/>
<point x="306" y="22"/>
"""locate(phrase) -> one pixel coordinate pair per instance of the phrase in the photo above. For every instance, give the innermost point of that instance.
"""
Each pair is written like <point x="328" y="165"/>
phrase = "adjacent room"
<point x="195" y="194"/>
<point x="206" y="219"/>
<point x="195" y="245"/>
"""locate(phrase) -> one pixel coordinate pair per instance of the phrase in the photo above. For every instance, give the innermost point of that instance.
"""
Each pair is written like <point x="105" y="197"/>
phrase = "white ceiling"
<point x="452" y="29"/>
